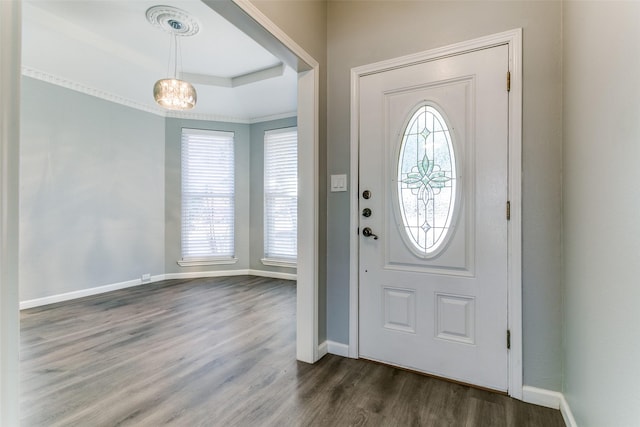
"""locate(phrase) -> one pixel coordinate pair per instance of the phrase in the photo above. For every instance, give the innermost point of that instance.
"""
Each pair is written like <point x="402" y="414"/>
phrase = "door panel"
<point x="427" y="302"/>
<point x="455" y="98"/>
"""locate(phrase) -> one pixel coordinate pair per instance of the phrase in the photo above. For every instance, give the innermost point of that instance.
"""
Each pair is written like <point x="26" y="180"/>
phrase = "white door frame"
<point x="513" y="39"/>
<point x="10" y="45"/>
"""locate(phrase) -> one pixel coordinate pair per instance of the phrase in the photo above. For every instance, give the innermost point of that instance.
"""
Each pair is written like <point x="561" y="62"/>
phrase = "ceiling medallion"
<point x="173" y="20"/>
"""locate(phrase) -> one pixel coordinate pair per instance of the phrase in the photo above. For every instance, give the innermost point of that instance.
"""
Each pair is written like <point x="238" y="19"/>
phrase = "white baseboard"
<point x="337" y="348"/>
<point x="550" y="399"/>
<point x="223" y="273"/>
<point x="274" y="274"/>
<point x="567" y="415"/>
<point x="322" y="350"/>
<point x="37" y="302"/>
<point x="542" y="397"/>
<point x="199" y="274"/>
<point x="332" y="347"/>
<point x="67" y="296"/>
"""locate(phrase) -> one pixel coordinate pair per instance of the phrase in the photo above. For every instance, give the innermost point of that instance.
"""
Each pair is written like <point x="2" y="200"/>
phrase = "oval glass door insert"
<point x="426" y="181"/>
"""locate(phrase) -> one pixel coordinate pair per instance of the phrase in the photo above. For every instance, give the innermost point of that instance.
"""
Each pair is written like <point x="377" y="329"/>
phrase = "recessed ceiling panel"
<point x="109" y="46"/>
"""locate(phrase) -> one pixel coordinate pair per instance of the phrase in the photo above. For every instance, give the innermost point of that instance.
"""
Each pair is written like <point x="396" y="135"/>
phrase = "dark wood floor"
<point x="221" y="352"/>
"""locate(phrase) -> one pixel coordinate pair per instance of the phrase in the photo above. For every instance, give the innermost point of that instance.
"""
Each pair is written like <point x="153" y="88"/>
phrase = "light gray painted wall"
<point x="257" y="190"/>
<point x="91" y="192"/>
<point x="602" y="211"/>
<point x="364" y="32"/>
<point x="173" y="196"/>
<point x="97" y="188"/>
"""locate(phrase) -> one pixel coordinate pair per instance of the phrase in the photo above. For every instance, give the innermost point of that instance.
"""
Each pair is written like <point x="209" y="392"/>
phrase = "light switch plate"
<point x="338" y="183"/>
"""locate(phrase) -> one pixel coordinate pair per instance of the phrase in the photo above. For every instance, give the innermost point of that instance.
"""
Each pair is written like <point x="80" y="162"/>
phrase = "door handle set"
<point x="366" y="212"/>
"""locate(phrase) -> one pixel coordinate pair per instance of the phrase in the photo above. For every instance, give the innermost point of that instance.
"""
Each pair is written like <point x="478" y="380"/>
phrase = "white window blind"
<point x="281" y="195"/>
<point x="207" y="195"/>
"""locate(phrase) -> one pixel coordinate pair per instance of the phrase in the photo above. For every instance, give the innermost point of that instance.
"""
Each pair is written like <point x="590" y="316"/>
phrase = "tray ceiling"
<point x="109" y="49"/>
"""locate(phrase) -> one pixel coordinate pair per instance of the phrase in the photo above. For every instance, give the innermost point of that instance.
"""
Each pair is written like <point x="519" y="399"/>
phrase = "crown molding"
<point x="88" y="90"/>
<point x="226" y="119"/>
<point x="274" y="117"/>
<point x="108" y="96"/>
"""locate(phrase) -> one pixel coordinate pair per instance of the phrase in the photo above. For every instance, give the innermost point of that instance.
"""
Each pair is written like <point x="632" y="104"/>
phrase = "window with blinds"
<point x="281" y="197"/>
<point x="207" y="195"/>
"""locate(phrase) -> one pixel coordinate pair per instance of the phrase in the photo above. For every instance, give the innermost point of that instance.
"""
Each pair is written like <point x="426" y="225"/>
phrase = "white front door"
<point x="433" y="228"/>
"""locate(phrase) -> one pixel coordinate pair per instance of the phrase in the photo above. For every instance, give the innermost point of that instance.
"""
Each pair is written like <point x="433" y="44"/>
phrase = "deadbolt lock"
<point x="366" y="194"/>
<point x="366" y="212"/>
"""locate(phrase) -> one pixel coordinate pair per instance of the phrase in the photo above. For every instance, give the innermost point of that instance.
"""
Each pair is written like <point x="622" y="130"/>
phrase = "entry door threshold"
<point x="437" y="377"/>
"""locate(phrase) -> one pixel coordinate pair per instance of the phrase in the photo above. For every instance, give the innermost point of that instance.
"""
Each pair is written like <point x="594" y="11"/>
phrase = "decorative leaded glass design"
<point x="426" y="180"/>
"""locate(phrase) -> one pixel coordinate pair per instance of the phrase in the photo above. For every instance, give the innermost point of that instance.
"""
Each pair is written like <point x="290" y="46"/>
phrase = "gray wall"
<point x="364" y="32"/>
<point x="172" y="245"/>
<point x="91" y="192"/>
<point x="257" y="189"/>
<point x="100" y="195"/>
<point x="602" y="211"/>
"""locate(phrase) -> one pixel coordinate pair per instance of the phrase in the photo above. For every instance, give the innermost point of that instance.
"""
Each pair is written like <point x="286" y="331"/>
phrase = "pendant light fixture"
<point x="173" y="93"/>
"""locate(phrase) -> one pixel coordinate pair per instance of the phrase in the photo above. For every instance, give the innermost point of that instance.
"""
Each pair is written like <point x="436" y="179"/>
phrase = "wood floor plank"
<point x="221" y="352"/>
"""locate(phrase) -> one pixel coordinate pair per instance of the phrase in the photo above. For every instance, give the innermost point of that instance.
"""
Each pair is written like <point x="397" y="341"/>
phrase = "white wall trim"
<point x="226" y="119"/>
<point x="513" y="39"/>
<point x="10" y="48"/>
<point x="307" y="316"/>
<point x="323" y="349"/>
<point x="541" y="397"/>
<point x="337" y="348"/>
<point x="68" y="296"/>
<point x="332" y="347"/>
<point x="514" y="266"/>
<point x="273" y="274"/>
<point x="354" y="217"/>
<point x="567" y="415"/>
<point x="228" y="273"/>
<point x="549" y="399"/>
<point x="203" y="274"/>
<point x="107" y="96"/>
<point x="88" y="90"/>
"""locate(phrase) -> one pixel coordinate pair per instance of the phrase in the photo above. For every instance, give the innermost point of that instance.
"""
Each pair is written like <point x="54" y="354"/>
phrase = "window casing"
<point x="208" y="197"/>
<point x="281" y="197"/>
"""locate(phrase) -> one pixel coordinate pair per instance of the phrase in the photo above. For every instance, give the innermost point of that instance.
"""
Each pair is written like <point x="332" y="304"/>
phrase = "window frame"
<point x="269" y="258"/>
<point x="221" y="135"/>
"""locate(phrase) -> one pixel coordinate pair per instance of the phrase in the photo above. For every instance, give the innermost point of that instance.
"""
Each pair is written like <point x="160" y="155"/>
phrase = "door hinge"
<point x="508" y="339"/>
<point x="508" y="210"/>
<point x="508" y="81"/>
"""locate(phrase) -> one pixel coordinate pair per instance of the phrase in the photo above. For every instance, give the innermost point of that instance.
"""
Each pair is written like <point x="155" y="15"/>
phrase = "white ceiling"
<point x="109" y="49"/>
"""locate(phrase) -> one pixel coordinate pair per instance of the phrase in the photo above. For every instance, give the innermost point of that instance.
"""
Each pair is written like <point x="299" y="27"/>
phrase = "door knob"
<point x="366" y="232"/>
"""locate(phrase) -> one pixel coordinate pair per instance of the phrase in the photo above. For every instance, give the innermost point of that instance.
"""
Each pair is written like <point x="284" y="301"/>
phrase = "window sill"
<point x="199" y="262"/>
<point x="279" y="263"/>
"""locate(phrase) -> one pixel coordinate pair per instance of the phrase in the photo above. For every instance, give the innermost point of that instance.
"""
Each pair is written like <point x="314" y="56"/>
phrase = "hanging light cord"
<point x="175" y="64"/>
<point x="173" y="47"/>
<point x="169" y="58"/>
